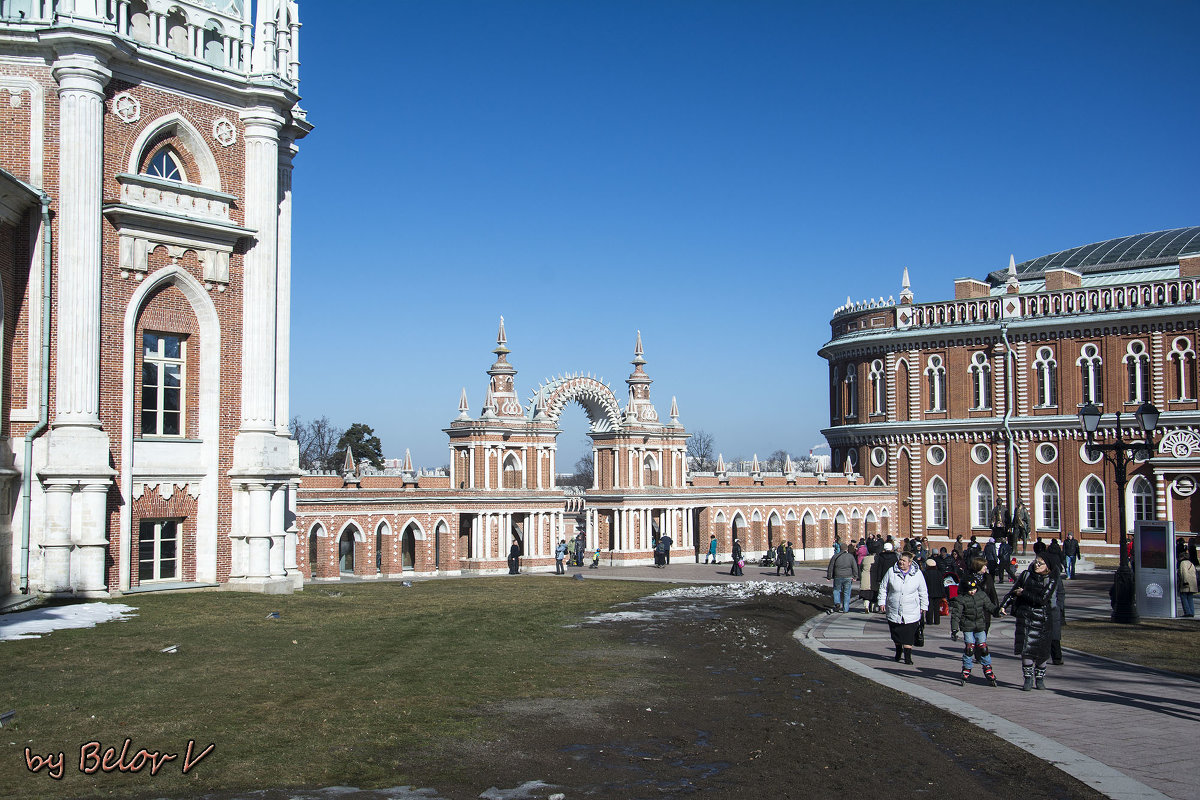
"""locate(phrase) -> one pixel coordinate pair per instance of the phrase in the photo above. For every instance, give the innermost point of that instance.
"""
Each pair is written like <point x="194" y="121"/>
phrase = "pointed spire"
<point x="501" y="339"/>
<point x="407" y="461"/>
<point x="348" y="464"/>
<point x="906" y="295"/>
<point x="788" y="466"/>
<point x="720" y="463"/>
<point x="464" y="409"/>
<point x="674" y="411"/>
<point x="489" y="404"/>
<point x="1013" y="284"/>
<point x="754" y="464"/>
<point x="637" y="348"/>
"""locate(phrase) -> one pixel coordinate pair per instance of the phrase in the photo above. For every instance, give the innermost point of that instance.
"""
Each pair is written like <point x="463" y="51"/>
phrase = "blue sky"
<point x="718" y="175"/>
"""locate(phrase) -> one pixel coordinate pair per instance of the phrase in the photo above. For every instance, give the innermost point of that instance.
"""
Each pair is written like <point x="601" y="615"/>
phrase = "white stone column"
<point x="471" y="468"/>
<point x="56" y="543"/>
<point x="553" y="474"/>
<point x="290" y="566"/>
<point x="81" y="81"/>
<point x="258" y="534"/>
<point x="260" y="281"/>
<point x="91" y="550"/>
<point x="283" y="289"/>
<point x="278" y="533"/>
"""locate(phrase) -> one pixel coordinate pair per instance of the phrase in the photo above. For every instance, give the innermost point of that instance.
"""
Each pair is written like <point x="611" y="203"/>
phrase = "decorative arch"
<point x="1047" y="505"/>
<point x="824" y="514"/>
<point x="982" y="499"/>
<point x="382" y="532"/>
<point x="791" y="515"/>
<point x="756" y="516"/>
<point x="358" y="531"/>
<point x="596" y="398"/>
<point x="719" y="518"/>
<point x="207" y="417"/>
<point x="1093" y="503"/>
<point x="418" y="531"/>
<point x="870" y="516"/>
<point x="808" y="518"/>
<point x="177" y="125"/>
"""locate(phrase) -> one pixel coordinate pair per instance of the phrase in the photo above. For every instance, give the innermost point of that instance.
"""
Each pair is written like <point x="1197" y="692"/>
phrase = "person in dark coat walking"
<point x="883" y="562"/>
<point x="1006" y="563"/>
<point x="969" y="614"/>
<point x="789" y="560"/>
<point x="736" y="552"/>
<point x="1071" y="553"/>
<point x="514" y="558"/>
<point x="935" y="581"/>
<point x="1030" y="603"/>
<point x="780" y="558"/>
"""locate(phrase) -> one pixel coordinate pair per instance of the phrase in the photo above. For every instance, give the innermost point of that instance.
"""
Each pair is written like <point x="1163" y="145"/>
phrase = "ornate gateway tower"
<point x="145" y="268"/>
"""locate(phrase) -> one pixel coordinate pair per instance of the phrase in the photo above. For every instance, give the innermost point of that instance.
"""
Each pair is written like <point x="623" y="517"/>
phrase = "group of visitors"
<point x="914" y="586"/>
<point x="1187" y="567"/>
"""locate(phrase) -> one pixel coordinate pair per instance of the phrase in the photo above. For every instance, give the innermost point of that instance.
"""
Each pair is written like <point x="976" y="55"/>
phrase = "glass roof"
<point x="1143" y="249"/>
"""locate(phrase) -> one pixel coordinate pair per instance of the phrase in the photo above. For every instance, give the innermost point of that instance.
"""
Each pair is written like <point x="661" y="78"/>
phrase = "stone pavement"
<point x="1127" y="731"/>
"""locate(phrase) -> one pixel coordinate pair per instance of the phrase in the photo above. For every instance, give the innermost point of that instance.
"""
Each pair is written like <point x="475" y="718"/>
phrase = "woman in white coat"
<point x="904" y="597"/>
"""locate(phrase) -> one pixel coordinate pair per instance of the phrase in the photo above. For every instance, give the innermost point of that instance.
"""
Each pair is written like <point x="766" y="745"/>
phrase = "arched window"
<point x="935" y="373"/>
<point x="214" y="44"/>
<point x="1137" y="370"/>
<point x="313" y="550"/>
<point x="937" y="502"/>
<point x="139" y="21"/>
<point x="1045" y="370"/>
<point x="981" y="381"/>
<point x="981" y="502"/>
<point x="177" y="33"/>
<point x="1183" y="368"/>
<point x="1141" y="492"/>
<point x="1093" y="504"/>
<point x="875" y="377"/>
<point x="1090" y="374"/>
<point x="383" y="533"/>
<point x="165" y="164"/>
<point x="512" y="472"/>
<point x="852" y="391"/>
<point x="1046" y="505"/>
<point x="650" y="471"/>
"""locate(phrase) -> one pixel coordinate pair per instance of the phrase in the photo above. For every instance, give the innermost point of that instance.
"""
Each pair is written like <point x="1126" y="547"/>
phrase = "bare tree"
<point x="700" y="452"/>
<point x="318" y="443"/>
<point x="776" y="461"/>
<point x="585" y="470"/>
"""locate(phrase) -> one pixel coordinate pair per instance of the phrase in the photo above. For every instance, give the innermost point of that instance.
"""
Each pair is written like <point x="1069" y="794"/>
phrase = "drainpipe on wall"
<point x="43" y="399"/>
<point x="1009" y="397"/>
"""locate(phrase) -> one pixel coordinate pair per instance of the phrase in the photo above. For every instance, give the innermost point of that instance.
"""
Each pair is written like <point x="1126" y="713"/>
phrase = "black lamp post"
<point x="1120" y="453"/>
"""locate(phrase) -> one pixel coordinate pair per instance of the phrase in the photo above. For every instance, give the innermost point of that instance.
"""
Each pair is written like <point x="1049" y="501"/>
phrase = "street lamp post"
<point x="1120" y="453"/>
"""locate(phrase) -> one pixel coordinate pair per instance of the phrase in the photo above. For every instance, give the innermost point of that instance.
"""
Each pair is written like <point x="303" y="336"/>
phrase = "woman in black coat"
<point x="935" y="580"/>
<point x="1030" y="601"/>
<point x="736" y="552"/>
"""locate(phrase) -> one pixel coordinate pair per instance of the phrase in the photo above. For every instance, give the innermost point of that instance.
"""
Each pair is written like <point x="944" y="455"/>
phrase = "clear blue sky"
<point x="719" y="175"/>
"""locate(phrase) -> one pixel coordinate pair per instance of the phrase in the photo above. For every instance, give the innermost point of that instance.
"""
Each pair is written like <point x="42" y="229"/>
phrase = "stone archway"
<point x="350" y="535"/>
<point x="596" y="398"/>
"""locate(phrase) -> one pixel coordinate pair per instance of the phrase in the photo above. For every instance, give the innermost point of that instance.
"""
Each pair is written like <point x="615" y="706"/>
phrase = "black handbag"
<point x="920" y="638"/>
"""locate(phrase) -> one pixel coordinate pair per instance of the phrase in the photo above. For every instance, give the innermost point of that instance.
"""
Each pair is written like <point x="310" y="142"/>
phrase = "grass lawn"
<point x="1170" y="644"/>
<point x="338" y="690"/>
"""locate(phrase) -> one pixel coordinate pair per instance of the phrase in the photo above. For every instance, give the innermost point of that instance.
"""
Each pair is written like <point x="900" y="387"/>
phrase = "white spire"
<point x="788" y="466"/>
<point x="754" y="464"/>
<point x="407" y="461"/>
<point x="906" y="295"/>
<point x="720" y="463"/>
<point x="464" y="410"/>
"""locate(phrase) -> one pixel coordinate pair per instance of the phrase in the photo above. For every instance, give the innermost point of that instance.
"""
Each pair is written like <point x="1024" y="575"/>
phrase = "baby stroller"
<point x="768" y="559"/>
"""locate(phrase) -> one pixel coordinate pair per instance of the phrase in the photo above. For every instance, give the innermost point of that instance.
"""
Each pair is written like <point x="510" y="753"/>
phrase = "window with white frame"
<point x="158" y="550"/>
<point x="1137" y="369"/>
<point x="1183" y="368"/>
<point x="164" y="361"/>
<point x="1046" y="375"/>
<point x="1090" y="375"/>
<point x="875" y="377"/>
<point x="1093" y="504"/>
<point x="852" y="391"/>
<point x="1142" y="494"/>
<point x="1047" y="504"/>
<point x="165" y="164"/>
<point x="939" y="511"/>
<point x="936" y="375"/>
<point x="981" y="502"/>
<point x="511" y="478"/>
<point x="981" y="381"/>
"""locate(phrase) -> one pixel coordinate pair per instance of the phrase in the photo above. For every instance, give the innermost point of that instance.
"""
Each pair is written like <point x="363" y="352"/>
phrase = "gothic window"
<point x="877" y="387"/>
<point x="981" y="502"/>
<point x="1183" y="369"/>
<point x="650" y="472"/>
<point x="177" y="33"/>
<point x="512" y="472"/>
<point x="1046" y="375"/>
<point x="852" y="391"/>
<point x="936" y="374"/>
<point x="1137" y="368"/>
<point x="1142" y="494"/>
<point x="165" y="164"/>
<point x="939" y="515"/>
<point x="214" y="44"/>
<point x="1047" y="504"/>
<point x="158" y="550"/>
<point x="834" y="394"/>
<point x="1090" y="367"/>
<point x="981" y="381"/>
<point x="1093" y="504"/>
<point x="164" y="360"/>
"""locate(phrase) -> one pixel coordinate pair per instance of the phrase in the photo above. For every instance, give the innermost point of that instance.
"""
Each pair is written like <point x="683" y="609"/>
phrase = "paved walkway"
<point x="1127" y="731"/>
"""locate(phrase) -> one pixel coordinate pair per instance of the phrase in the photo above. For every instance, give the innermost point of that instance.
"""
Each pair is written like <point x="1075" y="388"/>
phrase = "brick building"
<point x="145" y="213"/>
<point x="501" y="484"/>
<point x="960" y="403"/>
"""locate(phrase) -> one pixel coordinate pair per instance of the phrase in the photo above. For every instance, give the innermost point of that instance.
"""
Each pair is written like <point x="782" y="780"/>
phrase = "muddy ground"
<point x="723" y="700"/>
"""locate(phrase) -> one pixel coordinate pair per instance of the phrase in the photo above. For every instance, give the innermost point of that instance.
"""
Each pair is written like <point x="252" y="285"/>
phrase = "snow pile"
<point x="32" y="624"/>
<point x="739" y="591"/>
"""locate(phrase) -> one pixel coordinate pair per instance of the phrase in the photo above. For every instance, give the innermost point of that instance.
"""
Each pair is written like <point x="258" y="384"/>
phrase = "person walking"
<point x="969" y="613"/>
<point x="666" y="541"/>
<point x="843" y="571"/>
<point x="712" y="549"/>
<point x="780" y="556"/>
<point x="514" y="558"/>
<point x="1006" y="563"/>
<point x="936" y="587"/>
<point x="1029" y="600"/>
<point x="866" y="590"/>
<point x="883" y="562"/>
<point x="904" y="598"/>
<point x="560" y="554"/>
<point x="736" y="553"/>
<point x="1071" y="553"/>
<point x="789" y="560"/>
<point x="1188" y="583"/>
<point x="991" y="555"/>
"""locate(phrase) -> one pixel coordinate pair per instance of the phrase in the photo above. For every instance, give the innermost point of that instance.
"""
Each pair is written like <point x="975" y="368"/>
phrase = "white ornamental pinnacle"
<point x="464" y="410"/>
<point x="788" y="466"/>
<point x="906" y="294"/>
<point x="674" y="411"/>
<point x="127" y="108"/>
<point x="754" y="464"/>
<point x="224" y="132"/>
<point x="720" y="463"/>
<point x="407" y="461"/>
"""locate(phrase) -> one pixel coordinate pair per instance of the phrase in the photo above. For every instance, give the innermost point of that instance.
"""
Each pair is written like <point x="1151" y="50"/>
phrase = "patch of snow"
<point x="740" y="591"/>
<point x="529" y="789"/>
<point x="32" y="624"/>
